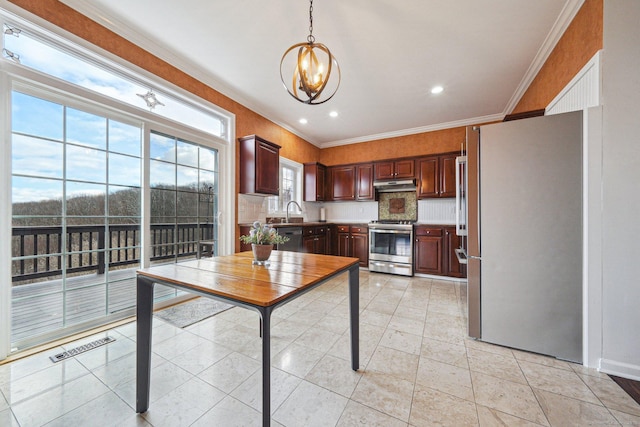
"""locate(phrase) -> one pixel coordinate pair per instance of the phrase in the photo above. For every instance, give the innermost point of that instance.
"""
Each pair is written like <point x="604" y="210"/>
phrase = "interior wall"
<point x="621" y="198"/>
<point x="580" y="41"/>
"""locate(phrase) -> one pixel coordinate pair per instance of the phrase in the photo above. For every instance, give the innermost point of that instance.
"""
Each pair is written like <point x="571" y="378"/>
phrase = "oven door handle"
<point x="390" y="231"/>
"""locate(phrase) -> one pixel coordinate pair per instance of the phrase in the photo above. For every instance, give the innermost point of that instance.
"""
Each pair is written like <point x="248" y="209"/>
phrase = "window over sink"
<point x="290" y="188"/>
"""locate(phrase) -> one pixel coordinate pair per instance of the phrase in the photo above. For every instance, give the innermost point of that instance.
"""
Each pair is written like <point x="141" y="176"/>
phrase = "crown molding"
<point x="413" y="131"/>
<point x="569" y="11"/>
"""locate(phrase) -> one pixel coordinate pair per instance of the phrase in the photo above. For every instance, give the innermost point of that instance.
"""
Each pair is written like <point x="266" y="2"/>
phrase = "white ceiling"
<point x="391" y="53"/>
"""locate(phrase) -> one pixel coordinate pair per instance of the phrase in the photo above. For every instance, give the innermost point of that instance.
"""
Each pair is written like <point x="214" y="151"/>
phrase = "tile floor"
<point x="417" y="369"/>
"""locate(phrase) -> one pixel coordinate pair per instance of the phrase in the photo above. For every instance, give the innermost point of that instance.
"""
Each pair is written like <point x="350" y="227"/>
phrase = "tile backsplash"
<point x="430" y="211"/>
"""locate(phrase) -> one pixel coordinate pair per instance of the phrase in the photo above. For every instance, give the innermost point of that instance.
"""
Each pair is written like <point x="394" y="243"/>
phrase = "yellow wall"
<point x="581" y="40"/>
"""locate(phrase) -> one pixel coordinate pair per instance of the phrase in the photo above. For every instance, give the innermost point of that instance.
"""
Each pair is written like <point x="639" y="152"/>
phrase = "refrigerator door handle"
<point x="461" y="196"/>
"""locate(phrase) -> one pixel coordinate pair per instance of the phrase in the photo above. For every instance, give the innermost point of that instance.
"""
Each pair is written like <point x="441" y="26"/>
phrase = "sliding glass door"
<point x="77" y="220"/>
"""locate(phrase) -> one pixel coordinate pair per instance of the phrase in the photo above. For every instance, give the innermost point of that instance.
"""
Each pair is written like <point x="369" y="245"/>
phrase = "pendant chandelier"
<point x="308" y="68"/>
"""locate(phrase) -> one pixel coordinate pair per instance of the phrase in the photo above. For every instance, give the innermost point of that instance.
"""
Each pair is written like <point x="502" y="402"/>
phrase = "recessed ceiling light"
<point x="436" y="90"/>
<point x="303" y="121"/>
<point x="333" y="114"/>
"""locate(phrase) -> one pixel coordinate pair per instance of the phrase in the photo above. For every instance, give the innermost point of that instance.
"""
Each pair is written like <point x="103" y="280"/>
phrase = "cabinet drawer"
<point x="428" y="231"/>
<point x="343" y="229"/>
<point x="359" y="229"/>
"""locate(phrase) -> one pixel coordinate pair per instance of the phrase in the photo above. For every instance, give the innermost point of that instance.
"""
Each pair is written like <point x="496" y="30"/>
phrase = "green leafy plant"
<point x="263" y="235"/>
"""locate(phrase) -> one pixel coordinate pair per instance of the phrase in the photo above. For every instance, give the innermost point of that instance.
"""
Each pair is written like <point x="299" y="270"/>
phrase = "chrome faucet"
<point x="295" y="203"/>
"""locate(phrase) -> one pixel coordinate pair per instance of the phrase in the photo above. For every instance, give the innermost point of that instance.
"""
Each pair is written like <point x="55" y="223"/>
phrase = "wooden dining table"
<point x="236" y="280"/>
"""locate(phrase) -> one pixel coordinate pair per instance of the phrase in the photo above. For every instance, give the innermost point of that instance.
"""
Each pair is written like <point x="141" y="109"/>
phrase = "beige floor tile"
<point x="492" y="418"/>
<point x="559" y="381"/>
<point x="229" y="372"/>
<point x="496" y="365"/>
<point x="542" y="360"/>
<point x="385" y="393"/>
<point x="402" y="341"/>
<point x="394" y="362"/>
<point x="431" y="407"/>
<point x="297" y="359"/>
<point x="318" y="339"/>
<point x="7" y="419"/>
<point x="282" y="385"/>
<point x="611" y="394"/>
<point x="356" y="414"/>
<point x="310" y="406"/>
<point x="471" y="343"/>
<point x="230" y="413"/>
<point x="107" y="410"/>
<point x="453" y="354"/>
<point x="445" y="378"/>
<point x="405" y="324"/>
<point x="57" y="401"/>
<point x="625" y="419"/>
<point x="564" y="411"/>
<point x="183" y="405"/>
<point x="334" y="374"/>
<point x="508" y="397"/>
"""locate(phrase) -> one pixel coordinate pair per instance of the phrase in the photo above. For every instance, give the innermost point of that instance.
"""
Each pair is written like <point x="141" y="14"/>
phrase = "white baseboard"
<point x="620" y="369"/>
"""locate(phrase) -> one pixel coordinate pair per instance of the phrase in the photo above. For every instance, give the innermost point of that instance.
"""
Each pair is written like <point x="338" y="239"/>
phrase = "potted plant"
<point x="262" y="238"/>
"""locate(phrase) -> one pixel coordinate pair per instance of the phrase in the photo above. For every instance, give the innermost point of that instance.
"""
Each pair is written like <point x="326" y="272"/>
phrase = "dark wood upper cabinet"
<point x="315" y="176"/>
<point x="364" y="182"/>
<point x="447" y="166"/>
<point x="428" y="177"/>
<point x="395" y="169"/>
<point x="437" y="176"/>
<point x="342" y="182"/>
<point x="259" y="166"/>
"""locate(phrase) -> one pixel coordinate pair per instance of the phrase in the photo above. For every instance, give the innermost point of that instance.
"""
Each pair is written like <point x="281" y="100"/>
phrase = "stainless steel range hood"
<point x="395" y="186"/>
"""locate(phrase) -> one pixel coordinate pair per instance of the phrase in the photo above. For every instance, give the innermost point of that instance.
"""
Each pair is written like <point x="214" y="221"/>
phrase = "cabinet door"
<point x="267" y="168"/>
<point x="428" y="255"/>
<point x="320" y="245"/>
<point x="314" y="182"/>
<point x="344" y="244"/>
<point x="404" y="169"/>
<point x="453" y="267"/>
<point x="244" y="231"/>
<point x="428" y="178"/>
<point x="447" y="165"/>
<point x="360" y="248"/>
<point x="384" y="170"/>
<point x="343" y="180"/>
<point x="364" y="182"/>
<point x="308" y="243"/>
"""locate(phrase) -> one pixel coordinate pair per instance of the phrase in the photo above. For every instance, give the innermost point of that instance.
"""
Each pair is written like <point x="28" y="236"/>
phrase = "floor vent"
<point x="81" y="349"/>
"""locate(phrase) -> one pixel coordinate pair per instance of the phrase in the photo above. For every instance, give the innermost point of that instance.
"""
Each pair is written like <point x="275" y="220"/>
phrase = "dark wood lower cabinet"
<point x="428" y="250"/>
<point x="353" y="241"/>
<point x="452" y="242"/>
<point x="434" y="251"/>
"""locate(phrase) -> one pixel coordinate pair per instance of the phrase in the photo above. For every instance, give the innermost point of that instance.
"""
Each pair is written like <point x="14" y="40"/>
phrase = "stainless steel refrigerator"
<point x="523" y="200"/>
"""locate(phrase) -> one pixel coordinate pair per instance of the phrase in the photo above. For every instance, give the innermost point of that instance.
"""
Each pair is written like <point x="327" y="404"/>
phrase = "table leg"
<point x="354" y="309"/>
<point x="265" y="331"/>
<point x="143" y="342"/>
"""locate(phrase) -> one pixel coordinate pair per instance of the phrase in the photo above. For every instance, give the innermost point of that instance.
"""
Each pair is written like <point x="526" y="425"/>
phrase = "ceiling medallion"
<point x="310" y="66"/>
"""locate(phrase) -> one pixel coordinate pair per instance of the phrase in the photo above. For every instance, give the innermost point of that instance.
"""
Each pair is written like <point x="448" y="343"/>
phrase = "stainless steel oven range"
<point x="391" y="247"/>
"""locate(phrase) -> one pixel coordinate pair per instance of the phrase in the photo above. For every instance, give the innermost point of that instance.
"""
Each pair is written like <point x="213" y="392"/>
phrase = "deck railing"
<point x="38" y="251"/>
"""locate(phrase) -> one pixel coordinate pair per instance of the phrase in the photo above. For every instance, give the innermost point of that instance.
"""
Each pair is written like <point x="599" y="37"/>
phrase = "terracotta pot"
<point x="261" y="253"/>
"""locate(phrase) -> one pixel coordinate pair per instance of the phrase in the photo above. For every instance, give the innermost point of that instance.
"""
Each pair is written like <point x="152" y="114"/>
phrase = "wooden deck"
<point x="43" y="307"/>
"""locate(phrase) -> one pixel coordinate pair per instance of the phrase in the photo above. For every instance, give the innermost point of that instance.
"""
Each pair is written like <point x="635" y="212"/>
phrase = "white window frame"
<point x="274" y="205"/>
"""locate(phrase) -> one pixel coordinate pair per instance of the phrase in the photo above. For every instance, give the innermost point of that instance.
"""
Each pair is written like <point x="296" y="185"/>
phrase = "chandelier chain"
<point x="311" y="38"/>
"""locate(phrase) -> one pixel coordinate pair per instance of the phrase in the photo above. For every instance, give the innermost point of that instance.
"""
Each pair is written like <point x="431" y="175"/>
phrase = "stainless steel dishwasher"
<point x="294" y="244"/>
